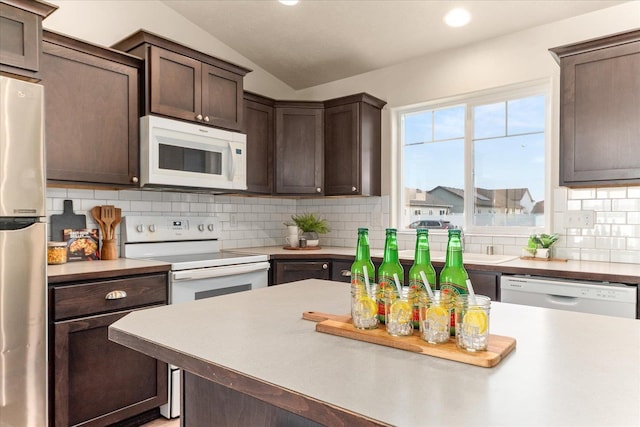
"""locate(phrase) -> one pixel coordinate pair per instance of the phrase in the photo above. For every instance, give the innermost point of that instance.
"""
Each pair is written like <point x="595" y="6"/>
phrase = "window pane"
<point x="489" y="120"/>
<point x="449" y="123"/>
<point x="526" y="115"/>
<point x="417" y="127"/>
<point x="509" y="181"/>
<point x="433" y="182"/>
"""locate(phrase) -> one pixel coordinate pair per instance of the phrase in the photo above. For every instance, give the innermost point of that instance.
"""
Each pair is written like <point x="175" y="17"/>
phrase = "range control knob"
<point x="139" y="228"/>
<point x="152" y="228"/>
<point x="201" y="227"/>
<point x="210" y="227"/>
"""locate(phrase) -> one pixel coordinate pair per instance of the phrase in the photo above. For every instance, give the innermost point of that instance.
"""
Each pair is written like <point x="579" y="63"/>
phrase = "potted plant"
<point x="311" y="226"/>
<point x="539" y="245"/>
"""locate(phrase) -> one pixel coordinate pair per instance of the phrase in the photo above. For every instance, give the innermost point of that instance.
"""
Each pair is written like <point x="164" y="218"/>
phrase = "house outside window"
<point x="479" y="161"/>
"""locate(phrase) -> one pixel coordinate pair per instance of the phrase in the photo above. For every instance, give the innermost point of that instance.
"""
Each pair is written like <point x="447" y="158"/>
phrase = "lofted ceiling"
<point x="318" y="41"/>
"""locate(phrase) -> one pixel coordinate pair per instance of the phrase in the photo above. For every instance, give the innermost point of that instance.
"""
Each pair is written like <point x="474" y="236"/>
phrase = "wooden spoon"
<point x="108" y="216"/>
<point x="96" y="212"/>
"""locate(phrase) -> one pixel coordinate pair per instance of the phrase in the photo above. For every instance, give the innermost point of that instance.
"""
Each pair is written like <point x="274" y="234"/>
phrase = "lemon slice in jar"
<point x="436" y="313"/>
<point x="400" y="311"/>
<point x="366" y="305"/>
<point x="476" y="318"/>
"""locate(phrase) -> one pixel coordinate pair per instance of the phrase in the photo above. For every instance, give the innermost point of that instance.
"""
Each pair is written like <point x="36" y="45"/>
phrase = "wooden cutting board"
<point x="68" y="219"/>
<point x="498" y="348"/>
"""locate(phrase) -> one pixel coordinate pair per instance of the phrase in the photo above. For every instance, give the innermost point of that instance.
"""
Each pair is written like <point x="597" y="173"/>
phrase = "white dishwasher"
<point x="613" y="299"/>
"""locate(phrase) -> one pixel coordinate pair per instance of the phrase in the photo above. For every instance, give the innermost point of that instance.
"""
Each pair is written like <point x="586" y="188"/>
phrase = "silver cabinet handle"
<point x="318" y="190"/>
<point x="134" y="179"/>
<point x="116" y="295"/>
<point x="345" y="273"/>
<point x="206" y="118"/>
<point x="325" y="266"/>
<point x="199" y="117"/>
<point x="354" y="189"/>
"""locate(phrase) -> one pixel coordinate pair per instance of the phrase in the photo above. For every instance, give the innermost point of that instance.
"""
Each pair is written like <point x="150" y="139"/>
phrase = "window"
<point x="478" y="161"/>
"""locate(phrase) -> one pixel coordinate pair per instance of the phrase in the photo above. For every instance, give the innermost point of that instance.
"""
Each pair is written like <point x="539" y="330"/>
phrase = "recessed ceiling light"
<point x="289" y="2"/>
<point x="457" y="17"/>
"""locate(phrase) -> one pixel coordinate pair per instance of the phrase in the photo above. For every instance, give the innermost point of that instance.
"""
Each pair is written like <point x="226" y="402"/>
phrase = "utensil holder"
<point x="109" y="250"/>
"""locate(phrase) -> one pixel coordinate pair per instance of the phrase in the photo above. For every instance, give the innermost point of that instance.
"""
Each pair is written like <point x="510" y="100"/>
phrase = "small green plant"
<point x="544" y="241"/>
<point x="310" y="223"/>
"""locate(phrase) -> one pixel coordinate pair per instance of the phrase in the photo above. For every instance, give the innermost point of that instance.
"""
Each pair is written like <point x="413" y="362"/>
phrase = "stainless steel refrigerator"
<point x="23" y="253"/>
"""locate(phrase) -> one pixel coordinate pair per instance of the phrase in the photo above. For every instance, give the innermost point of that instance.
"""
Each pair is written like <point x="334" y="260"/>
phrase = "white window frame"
<point x="500" y="94"/>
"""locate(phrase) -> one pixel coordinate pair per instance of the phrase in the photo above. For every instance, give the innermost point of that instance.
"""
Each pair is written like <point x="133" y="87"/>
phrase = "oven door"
<point x="191" y="285"/>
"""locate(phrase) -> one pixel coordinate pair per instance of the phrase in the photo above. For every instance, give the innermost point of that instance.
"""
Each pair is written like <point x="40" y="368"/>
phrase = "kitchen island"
<point x="250" y="359"/>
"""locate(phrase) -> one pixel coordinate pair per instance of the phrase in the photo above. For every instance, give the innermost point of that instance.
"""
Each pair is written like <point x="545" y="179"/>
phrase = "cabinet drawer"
<point x="95" y="297"/>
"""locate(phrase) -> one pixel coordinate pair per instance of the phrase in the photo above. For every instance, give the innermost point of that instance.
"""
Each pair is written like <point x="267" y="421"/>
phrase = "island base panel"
<point x="207" y="403"/>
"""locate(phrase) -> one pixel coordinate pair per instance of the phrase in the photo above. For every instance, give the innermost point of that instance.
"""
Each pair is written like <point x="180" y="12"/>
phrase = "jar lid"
<point x="57" y="244"/>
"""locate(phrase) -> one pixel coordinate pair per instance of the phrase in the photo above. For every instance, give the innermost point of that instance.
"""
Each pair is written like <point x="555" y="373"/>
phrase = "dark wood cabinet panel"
<point x="91" y="113"/>
<point x="94" y="381"/>
<point x="285" y="271"/>
<point x="176" y="83"/>
<point x="259" y="126"/>
<point x="599" y="110"/>
<point x="341" y="270"/>
<point x="189" y="85"/>
<point x="485" y="283"/>
<point x="352" y="141"/>
<point x="21" y="36"/>
<point x="299" y="148"/>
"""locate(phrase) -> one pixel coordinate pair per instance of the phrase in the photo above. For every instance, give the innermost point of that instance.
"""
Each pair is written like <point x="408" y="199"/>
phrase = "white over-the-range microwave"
<point x="175" y="153"/>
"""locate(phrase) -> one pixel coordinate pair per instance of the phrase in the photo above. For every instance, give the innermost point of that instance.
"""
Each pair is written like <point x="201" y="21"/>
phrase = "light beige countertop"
<point x="103" y="269"/>
<point x="567" y="368"/>
<point x="584" y="270"/>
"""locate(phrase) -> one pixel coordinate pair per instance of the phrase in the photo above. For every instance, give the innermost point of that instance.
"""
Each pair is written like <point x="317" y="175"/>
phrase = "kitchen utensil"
<point x="95" y="212"/>
<point x="109" y="250"/>
<point x="108" y="216"/>
<point x="68" y="219"/>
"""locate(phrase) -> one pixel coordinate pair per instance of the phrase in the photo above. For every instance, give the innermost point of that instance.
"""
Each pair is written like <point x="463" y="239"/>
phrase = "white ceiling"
<point x="318" y="41"/>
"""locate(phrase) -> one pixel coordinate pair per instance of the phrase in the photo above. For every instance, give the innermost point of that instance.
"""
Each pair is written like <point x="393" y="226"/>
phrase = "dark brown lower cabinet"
<point x="485" y="283"/>
<point x="99" y="382"/>
<point x="285" y="271"/>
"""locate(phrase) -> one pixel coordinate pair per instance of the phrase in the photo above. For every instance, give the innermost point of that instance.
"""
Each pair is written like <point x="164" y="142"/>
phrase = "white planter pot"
<point x="543" y="253"/>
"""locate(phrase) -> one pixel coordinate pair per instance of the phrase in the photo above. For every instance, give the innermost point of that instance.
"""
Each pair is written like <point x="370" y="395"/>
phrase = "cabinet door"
<point x="290" y="271"/>
<point x="96" y="379"/>
<point x="485" y="283"/>
<point x="20" y="35"/>
<point x="92" y="113"/>
<point x="299" y="150"/>
<point x="342" y="150"/>
<point x="221" y="98"/>
<point x="600" y="106"/>
<point x="176" y="85"/>
<point x="341" y="271"/>
<point x="258" y="120"/>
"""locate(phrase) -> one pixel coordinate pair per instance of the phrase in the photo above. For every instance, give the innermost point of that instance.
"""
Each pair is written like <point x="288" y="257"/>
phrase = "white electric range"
<point x="199" y="269"/>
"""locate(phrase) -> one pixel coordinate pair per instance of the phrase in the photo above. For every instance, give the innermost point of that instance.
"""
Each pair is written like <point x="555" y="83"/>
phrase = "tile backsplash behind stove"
<point x="258" y="221"/>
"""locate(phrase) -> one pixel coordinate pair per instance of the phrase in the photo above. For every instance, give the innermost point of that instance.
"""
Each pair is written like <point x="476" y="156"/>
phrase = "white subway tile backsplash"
<point x="611" y="193"/>
<point x="596" y="205"/>
<point x="626" y="205"/>
<point x="574" y="205"/>
<point x="575" y="194"/>
<point x="633" y="192"/>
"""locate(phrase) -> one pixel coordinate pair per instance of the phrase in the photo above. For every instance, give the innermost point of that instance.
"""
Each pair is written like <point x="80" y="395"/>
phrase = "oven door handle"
<point x="212" y="272"/>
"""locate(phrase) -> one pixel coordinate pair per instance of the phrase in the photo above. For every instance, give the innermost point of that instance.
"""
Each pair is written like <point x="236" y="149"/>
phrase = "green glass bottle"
<point x="421" y="263"/>
<point x="390" y="266"/>
<point x="362" y="261"/>
<point x="453" y="277"/>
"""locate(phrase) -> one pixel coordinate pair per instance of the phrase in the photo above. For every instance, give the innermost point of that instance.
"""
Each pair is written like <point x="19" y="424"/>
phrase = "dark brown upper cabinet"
<point x="259" y="126"/>
<point x="186" y="84"/>
<point x="299" y="145"/>
<point x="21" y="37"/>
<point x="92" y="110"/>
<point x="600" y="110"/>
<point x="352" y="151"/>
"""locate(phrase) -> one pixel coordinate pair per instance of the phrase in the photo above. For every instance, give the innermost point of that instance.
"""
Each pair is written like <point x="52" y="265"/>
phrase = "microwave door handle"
<point x="232" y="166"/>
<point x="229" y="270"/>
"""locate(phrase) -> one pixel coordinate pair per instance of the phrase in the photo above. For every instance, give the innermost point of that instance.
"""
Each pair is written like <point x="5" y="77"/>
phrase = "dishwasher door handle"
<point x="562" y="299"/>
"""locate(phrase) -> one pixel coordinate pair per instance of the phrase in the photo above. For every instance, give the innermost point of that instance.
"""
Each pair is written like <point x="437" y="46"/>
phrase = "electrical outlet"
<point x="580" y="219"/>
